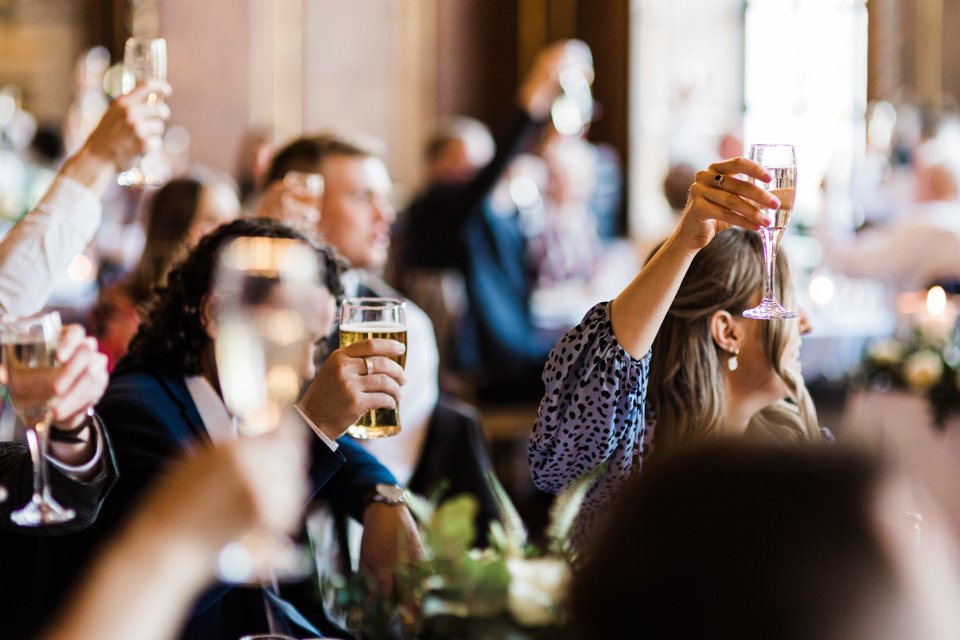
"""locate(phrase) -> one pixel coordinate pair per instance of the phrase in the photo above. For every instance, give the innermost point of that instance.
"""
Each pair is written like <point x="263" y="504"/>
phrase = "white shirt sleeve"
<point x="40" y="247"/>
<point x="87" y="467"/>
<point x="333" y="444"/>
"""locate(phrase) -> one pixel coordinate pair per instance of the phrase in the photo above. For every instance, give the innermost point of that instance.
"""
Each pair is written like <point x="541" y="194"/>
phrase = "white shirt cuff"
<point x="85" y="468"/>
<point x="333" y="444"/>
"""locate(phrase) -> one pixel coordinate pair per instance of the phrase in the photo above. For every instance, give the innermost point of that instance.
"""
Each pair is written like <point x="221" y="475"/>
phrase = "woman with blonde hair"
<point x="671" y="359"/>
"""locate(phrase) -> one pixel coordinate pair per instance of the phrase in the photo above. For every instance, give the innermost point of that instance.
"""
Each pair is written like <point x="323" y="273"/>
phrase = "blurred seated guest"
<point x="498" y="345"/>
<point x="678" y="329"/>
<point x="741" y="542"/>
<point x="922" y="244"/>
<point x="143" y="584"/>
<point x="36" y="252"/>
<point x="180" y="213"/>
<point x="354" y="216"/>
<point x="81" y="470"/>
<point x="429" y="231"/>
<point x="164" y="400"/>
<point x="676" y="186"/>
<point x="430" y="255"/>
<point x="564" y="242"/>
<point x="44" y="242"/>
<point x="256" y="149"/>
<point x="460" y="149"/>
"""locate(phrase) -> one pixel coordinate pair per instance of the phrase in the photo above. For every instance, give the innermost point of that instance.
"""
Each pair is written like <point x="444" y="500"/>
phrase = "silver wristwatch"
<point x="387" y="493"/>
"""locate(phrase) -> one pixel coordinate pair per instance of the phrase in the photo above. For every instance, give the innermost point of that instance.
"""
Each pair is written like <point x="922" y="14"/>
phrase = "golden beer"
<point x="378" y="423"/>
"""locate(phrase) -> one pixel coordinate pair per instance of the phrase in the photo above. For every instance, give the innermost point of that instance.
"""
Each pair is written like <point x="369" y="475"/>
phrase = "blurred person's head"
<point x="180" y="213"/>
<point x="715" y="373"/>
<point x="936" y="171"/>
<point x="256" y="149"/>
<point x="738" y="541"/>
<point x="460" y="148"/>
<point x="730" y="145"/>
<point x="676" y="184"/>
<point x="572" y="170"/>
<point x="355" y="212"/>
<point x="177" y="332"/>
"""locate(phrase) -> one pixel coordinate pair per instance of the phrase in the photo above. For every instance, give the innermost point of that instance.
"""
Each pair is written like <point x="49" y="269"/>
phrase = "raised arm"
<point x="593" y="409"/>
<point x="713" y="206"/>
<point x="44" y="242"/>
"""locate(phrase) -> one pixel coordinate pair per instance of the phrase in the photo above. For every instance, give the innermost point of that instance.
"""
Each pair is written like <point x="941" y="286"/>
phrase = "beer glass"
<point x="30" y="356"/>
<point x="365" y="319"/>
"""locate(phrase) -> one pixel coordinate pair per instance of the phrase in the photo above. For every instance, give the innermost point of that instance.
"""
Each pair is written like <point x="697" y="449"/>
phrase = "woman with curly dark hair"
<point x="180" y="213"/>
<point x="164" y="399"/>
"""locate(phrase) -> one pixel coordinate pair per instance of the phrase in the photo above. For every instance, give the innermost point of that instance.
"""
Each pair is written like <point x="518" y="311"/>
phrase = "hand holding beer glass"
<point x="366" y="319"/>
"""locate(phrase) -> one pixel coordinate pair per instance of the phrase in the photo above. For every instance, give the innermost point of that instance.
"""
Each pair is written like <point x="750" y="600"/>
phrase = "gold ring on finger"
<point x="369" y="363"/>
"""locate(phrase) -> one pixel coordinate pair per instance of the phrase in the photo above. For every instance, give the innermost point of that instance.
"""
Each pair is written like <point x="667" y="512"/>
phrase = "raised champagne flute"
<point x="264" y="294"/>
<point x="143" y="59"/>
<point x="30" y="356"/>
<point x="366" y="319"/>
<point x="780" y="160"/>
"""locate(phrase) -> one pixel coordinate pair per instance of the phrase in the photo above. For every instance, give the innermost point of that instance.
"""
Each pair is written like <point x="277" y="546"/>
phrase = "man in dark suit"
<point x="164" y="400"/>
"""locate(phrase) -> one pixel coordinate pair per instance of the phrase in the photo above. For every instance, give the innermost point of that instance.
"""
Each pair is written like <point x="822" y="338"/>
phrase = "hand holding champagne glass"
<point x="366" y="319"/>
<point x="30" y="356"/>
<point x="781" y="162"/>
<point x="143" y="59"/>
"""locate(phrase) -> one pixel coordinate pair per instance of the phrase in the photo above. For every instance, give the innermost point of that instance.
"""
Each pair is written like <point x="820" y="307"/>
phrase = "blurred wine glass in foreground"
<point x="264" y="292"/>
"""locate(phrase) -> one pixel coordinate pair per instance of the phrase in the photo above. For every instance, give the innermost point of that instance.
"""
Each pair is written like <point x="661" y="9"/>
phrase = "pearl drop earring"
<point x="732" y="362"/>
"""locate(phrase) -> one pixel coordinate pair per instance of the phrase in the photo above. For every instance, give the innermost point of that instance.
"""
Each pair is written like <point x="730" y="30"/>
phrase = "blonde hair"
<point x="686" y="380"/>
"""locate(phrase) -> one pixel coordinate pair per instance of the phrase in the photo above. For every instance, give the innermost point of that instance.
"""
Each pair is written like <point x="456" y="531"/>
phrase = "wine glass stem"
<point x="37" y="442"/>
<point x="770" y="237"/>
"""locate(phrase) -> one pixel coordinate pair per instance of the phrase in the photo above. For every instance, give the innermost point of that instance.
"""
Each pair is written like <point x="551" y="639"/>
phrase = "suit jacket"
<point x="21" y="547"/>
<point x="153" y="420"/>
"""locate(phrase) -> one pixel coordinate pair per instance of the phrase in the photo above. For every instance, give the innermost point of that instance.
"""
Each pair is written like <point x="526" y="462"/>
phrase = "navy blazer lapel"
<point x="177" y="389"/>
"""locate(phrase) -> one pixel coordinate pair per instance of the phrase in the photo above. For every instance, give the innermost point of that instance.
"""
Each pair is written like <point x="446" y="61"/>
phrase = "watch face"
<point x="392" y="493"/>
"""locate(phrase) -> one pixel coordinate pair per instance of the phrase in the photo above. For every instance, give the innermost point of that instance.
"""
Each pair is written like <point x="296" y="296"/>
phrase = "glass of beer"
<point x="365" y="319"/>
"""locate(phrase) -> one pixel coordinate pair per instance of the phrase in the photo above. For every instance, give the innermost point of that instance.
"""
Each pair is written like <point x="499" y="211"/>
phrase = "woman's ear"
<point x="726" y="331"/>
<point x="207" y="316"/>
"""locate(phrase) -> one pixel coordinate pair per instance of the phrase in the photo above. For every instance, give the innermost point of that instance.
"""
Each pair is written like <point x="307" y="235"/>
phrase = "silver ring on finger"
<point x="718" y="180"/>
<point x="369" y="363"/>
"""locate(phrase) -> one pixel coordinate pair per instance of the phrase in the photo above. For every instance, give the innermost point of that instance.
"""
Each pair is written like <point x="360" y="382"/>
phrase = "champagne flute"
<point x="143" y="59"/>
<point x="30" y="355"/>
<point x="780" y="160"/>
<point x="365" y="319"/>
<point x="263" y="293"/>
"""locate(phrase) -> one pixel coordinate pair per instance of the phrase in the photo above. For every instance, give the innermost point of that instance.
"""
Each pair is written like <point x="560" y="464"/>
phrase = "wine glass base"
<point x="41" y="512"/>
<point x="261" y="556"/>
<point x="769" y="309"/>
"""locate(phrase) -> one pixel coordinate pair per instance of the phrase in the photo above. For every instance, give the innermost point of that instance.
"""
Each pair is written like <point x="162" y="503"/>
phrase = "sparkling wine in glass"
<point x="366" y="319"/>
<point x="780" y="160"/>
<point x="265" y="293"/>
<point x="30" y="355"/>
<point x="144" y="59"/>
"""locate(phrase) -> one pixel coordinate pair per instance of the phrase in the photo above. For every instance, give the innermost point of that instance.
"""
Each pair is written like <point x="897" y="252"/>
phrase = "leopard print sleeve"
<point x="592" y="412"/>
